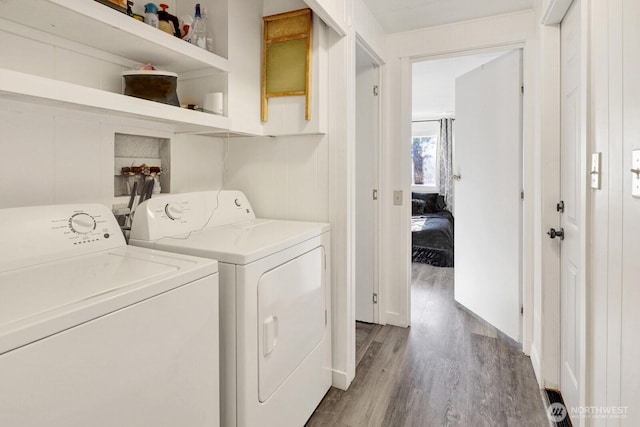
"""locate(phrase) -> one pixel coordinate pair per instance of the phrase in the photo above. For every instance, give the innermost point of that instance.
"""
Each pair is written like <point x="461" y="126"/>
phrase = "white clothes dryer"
<point x="274" y="300"/>
<point x="97" y="333"/>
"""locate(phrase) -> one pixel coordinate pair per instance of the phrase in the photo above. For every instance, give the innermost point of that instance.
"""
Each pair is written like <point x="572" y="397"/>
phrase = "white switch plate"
<point x="595" y="170"/>
<point x="635" y="179"/>
<point x="397" y="197"/>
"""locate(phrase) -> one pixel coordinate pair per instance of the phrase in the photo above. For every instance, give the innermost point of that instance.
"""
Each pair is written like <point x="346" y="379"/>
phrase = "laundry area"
<point x="201" y="202"/>
<point x="138" y="285"/>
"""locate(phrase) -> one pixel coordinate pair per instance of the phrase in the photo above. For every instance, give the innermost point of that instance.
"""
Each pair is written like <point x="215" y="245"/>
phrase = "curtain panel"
<point x="446" y="162"/>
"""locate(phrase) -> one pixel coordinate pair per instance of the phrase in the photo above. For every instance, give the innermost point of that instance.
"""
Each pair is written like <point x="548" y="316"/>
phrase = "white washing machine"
<point x="274" y="300"/>
<point x="96" y="333"/>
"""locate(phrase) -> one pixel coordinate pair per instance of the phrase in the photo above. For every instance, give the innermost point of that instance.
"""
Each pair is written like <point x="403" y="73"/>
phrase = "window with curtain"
<point x="425" y="163"/>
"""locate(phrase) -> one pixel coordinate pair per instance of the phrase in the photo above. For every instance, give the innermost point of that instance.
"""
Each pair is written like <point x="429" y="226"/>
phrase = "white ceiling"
<point x="434" y="82"/>
<point x="403" y="15"/>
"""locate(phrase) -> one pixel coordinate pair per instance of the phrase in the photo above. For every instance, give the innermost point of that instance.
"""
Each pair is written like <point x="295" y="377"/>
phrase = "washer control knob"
<point x="82" y="223"/>
<point x="174" y="210"/>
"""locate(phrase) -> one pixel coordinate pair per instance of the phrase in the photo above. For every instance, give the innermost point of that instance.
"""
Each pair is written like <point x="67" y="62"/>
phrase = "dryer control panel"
<point x="175" y="215"/>
<point x="54" y="232"/>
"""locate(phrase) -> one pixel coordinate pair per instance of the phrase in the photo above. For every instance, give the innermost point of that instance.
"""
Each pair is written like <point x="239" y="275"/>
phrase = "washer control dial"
<point x="174" y="210"/>
<point x="82" y="223"/>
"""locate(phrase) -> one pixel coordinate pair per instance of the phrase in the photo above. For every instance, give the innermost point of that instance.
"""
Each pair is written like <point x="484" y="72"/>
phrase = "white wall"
<point x="434" y="83"/>
<point x="600" y="372"/>
<point x="370" y="34"/>
<point x="498" y="32"/>
<point x="614" y="294"/>
<point x="283" y="177"/>
<point x="630" y="348"/>
<point x="196" y="163"/>
<point x="54" y="156"/>
<point x="342" y="202"/>
<point x="245" y="71"/>
<point x="335" y="13"/>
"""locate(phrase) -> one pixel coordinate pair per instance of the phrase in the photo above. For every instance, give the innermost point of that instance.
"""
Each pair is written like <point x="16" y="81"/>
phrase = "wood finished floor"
<point x="448" y="369"/>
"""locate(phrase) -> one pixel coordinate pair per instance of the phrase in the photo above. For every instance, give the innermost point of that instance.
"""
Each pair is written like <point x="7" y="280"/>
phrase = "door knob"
<point x="553" y="233"/>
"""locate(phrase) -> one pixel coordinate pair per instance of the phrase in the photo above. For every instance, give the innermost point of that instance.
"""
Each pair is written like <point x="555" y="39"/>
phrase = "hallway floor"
<point x="448" y="369"/>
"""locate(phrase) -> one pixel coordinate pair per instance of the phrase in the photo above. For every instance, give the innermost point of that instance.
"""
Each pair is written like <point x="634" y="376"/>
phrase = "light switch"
<point x="397" y="197"/>
<point x="635" y="170"/>
<point x="595" y="170"/>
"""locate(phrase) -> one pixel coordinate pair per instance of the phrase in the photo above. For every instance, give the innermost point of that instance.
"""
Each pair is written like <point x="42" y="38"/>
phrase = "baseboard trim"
<point x="340" y="380"/>
<point x="535" y="362"/>
<point x="395" y="319"/>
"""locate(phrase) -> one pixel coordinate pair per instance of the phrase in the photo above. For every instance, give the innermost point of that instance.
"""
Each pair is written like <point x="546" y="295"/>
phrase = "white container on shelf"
<point x="213" y="103"/>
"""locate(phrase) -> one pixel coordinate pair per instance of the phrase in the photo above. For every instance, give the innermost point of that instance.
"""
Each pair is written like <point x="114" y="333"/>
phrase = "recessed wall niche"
<point x="137" y="150"/>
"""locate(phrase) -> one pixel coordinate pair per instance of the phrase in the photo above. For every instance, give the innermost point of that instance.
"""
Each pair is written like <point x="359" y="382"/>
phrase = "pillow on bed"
<point x="434" y="202"/>
<point x="417" y="206"/>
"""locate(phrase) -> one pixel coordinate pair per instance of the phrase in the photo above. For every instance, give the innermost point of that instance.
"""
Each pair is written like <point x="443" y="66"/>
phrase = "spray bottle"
<point x="199" y="30"/>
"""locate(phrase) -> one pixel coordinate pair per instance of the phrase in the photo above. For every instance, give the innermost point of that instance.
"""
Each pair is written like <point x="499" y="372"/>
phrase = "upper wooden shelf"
<point x="96" y="25"/>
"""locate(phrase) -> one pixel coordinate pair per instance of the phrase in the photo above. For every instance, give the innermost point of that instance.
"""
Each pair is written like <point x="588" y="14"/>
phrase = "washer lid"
<point x="41" y="300"/>
<point x="243" y="242"/>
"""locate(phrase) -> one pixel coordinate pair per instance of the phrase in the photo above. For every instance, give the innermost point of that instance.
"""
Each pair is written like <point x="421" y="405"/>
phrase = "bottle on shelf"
<point x="151" y="15"/>
<point x="199" y="30"/>
<point x="209" y="36"/>
<point x="186" y="25"/>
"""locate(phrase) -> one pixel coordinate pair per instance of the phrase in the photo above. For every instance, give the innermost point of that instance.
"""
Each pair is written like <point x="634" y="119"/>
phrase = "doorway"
<point x="486" y="160"/>
<point x="367" y="172"/>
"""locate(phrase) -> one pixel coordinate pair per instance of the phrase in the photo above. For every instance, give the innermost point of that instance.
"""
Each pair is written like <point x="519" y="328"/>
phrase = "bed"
<point x="431" y="230"/>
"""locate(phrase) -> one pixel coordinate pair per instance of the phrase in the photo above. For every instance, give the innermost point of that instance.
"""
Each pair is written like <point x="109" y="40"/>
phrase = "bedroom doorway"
<point x="367" y="184"/>
<point x="434" y="100"/>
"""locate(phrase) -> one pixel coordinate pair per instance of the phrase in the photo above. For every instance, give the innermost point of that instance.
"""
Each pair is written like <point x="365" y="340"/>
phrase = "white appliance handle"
<point x="270" y="337"/>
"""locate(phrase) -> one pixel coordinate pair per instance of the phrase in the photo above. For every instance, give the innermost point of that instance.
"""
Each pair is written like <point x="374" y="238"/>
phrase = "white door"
<point x="571" y="295"/>
<point x="487" y="157"/>
<point x="366" y="183"/>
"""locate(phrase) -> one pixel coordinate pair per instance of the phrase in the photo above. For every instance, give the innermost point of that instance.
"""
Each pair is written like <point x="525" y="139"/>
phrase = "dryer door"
<point x="291" y="317"/>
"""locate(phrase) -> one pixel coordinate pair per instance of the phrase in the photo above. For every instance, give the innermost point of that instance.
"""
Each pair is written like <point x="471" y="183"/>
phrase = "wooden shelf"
<point x="29" y="88"/>
<point x="96" y="25"/>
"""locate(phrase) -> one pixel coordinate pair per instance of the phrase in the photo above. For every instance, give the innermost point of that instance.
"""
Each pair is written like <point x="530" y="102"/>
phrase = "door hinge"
<point x="375" y="194"/>
<point x="375" y="90"/>
<point x="325" y="318"/>
<point x="522" y="89"/>
<point x="522" y="195"/>
<point x="521" y="309"/>
<point x="375" y="298"/>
